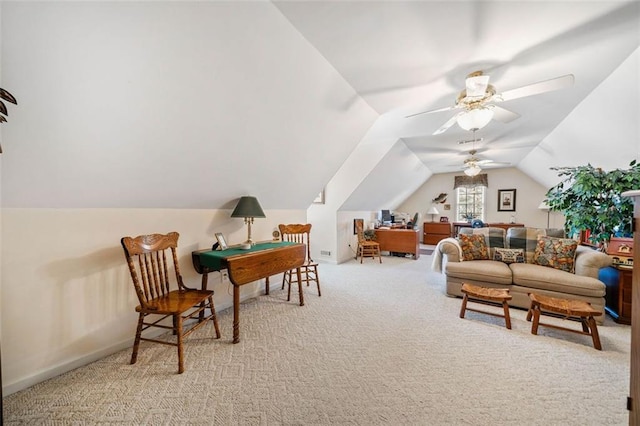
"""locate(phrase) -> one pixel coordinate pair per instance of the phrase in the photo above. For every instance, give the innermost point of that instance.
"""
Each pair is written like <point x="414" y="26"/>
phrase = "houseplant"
<point x="589" y="197"/>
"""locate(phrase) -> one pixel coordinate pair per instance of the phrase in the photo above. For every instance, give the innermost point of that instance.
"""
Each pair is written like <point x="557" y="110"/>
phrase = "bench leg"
<point x="507" y="317"/>
<point x="536" y="319"/>
<point x="463" y="308"/>
<point x="594" y="333"/>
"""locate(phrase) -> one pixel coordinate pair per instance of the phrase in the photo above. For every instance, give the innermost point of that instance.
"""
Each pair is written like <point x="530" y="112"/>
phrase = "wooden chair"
<point x="149" y="262"/>
<point x="366" y="248"/>
<point x="299" y="233"/>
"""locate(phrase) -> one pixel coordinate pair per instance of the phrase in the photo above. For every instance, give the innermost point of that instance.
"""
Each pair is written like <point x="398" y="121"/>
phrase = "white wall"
<point x="529" y="195"/>
<point x="67" y="296"/>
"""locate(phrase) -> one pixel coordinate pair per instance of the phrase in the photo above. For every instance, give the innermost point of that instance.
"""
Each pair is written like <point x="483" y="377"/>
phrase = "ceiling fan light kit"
<point x="472" y="170"/>
<point x="475" y="118"/>
<point x="477" y="101"/>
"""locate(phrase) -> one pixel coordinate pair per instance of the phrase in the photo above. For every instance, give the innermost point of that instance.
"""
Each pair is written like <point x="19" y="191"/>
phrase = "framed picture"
<point x="221" y="241"/>
<point x="444" y="219"/>
<point x="357" y="223"/>
<point x="506" y="200"/>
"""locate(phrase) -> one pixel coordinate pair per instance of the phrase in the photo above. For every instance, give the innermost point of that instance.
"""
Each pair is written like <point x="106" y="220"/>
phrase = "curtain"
<point x="479" y="180"/>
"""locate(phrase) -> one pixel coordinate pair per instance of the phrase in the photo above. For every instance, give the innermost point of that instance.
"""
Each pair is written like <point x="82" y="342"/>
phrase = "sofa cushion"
<point x="473" y="247"/>
<point x="480" y="270"/>
<point x="493" y="237"/>
<point x="527" y="239"/>
<point x="540" y="277"/>
<point x="558" y="253"/>
<point x="509" y="255"/>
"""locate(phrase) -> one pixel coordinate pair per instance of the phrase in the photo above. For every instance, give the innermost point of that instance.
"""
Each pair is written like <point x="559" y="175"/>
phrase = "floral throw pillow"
<point x="558" y="253"/>
<point x="474" y="247"/>
<point x="509" y="255"/>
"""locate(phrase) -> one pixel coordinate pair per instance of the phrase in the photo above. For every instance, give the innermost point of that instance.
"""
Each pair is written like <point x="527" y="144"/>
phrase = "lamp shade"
<point x="248" y="207"/>
<point x="433" y="210"/>
<point x="544" y="206"/>
<point x="475" y="118"/>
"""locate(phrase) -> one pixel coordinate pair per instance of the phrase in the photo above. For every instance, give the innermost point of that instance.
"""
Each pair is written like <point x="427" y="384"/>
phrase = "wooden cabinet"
<point x="619" y="282"/>
<point x="633" y="402"/>
<point x="433" y="232"/>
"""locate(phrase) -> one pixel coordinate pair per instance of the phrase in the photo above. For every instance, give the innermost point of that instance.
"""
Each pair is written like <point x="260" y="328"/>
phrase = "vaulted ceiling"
<point x="407" y="57"/>
<point x="192" y="104"/>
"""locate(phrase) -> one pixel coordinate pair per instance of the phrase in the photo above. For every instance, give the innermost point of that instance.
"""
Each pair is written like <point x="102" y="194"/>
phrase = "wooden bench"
<point x="571" y="309"/>
<point x="486" y="295"/>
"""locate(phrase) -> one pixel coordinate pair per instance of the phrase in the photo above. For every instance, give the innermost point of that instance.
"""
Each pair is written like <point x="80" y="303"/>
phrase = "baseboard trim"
<point x="26" y="382"/>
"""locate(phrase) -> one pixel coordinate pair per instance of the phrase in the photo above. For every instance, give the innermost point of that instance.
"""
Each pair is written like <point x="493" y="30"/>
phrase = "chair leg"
<point x="177" y="319"/>
<point x="136" y="343"/>
<point x="214" y="317"/>
<point x="315" y="272"/>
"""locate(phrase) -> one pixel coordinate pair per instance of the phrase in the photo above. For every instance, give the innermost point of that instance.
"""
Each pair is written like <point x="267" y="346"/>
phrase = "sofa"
<point x="523" y="260"/>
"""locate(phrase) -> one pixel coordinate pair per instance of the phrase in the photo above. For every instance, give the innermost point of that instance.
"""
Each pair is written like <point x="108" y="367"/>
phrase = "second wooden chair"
<point x="299" y="233"/>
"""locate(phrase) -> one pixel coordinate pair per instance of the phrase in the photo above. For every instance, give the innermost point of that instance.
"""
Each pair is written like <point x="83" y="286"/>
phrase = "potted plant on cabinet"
<point x="590" y="199"/>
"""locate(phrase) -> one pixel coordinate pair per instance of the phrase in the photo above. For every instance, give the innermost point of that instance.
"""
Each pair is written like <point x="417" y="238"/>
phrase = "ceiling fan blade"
<point x="496" y="164"/>
<point x="504" y="115"/>
<point x="446" y="125"/>
<point x="430" y="111"/>
<point x="537" y="88"/>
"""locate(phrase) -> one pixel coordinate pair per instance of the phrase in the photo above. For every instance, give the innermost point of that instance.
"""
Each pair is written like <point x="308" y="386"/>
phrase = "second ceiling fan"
<point x="477" y="101"/>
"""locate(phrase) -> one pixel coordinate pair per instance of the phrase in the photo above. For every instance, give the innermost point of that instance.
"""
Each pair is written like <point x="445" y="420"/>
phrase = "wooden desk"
<point x="247" y="266"/>
<point x="399" y="240"/>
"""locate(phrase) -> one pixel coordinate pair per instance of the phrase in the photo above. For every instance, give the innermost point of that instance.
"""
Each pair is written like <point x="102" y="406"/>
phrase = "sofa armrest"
<point x="448" y="249"/>
<point x="589" y="261"/>
<point x="451" y="249"/>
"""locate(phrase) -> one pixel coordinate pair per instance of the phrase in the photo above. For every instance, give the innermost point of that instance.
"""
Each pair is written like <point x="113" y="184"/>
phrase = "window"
<point x="470" y="202"/>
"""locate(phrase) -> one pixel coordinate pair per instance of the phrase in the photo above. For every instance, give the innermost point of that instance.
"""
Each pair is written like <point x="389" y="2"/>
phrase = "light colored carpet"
<point x="383" y="345"/>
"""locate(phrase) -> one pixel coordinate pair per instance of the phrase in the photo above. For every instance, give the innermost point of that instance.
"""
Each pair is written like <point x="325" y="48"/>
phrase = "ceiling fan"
<point x="477" y="101"/>
<point x="472" y="164"/>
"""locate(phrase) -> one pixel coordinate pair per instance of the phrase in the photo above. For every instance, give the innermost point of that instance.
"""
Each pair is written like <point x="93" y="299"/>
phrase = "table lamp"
<point x="433" y="211"/>
<point x="544" y="206"/>
<point x="248" y="208"/>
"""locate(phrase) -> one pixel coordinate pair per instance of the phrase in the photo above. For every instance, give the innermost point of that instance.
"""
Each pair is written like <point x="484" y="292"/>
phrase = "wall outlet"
<point x="224" y="276"/>
<point x="325" y="253"/>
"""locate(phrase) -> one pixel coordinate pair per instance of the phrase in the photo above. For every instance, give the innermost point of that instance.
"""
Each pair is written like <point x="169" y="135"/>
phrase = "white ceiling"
<point x="407" y="57"/>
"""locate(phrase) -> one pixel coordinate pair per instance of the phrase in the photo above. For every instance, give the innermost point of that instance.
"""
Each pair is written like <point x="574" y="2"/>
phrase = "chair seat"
<point x="176" y="302"/>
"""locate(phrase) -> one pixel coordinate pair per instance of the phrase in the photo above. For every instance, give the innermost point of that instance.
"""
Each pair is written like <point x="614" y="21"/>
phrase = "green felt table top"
<point x="214" y="259"/>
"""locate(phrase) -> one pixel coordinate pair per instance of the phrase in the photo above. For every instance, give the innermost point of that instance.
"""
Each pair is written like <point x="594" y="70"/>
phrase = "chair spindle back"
<point x="297" y="233"/>
<point x="149" y="264"/>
